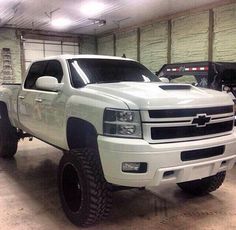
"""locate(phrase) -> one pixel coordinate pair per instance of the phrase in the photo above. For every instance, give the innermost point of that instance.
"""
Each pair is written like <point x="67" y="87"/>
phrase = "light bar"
<point x="190" y="69"/>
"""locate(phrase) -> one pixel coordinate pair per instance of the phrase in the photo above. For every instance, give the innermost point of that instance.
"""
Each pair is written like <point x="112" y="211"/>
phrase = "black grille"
<point x="202" y="153"/>
<point x="159" y="133"/>
<point x="170" y="113"/>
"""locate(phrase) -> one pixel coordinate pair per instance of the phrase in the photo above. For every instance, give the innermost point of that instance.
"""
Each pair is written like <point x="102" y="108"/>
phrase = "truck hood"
<point x="145" y="96"/>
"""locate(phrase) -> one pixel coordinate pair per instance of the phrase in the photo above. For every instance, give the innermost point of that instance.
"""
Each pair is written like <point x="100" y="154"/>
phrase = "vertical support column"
<point x="44" y="51"/>
<point x="114" y="44"/>
<point x="22" y="55"/>
<point x="210" y="35"/>
<point x="138" y="44"/>
<point x="96" y="45"/>
<point x="61" y="47"/>
<point x="169" y="32"/>
<point x="80" y="40"/>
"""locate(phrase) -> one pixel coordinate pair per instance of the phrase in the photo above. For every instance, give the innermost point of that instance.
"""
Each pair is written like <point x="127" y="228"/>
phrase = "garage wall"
<point x="105" y="45"/>
<point x="224" y="45"/>
<point x="190" y="38"/>
<point x="126" y="43"/>
<point x="8" y="39"/>
<point x="186" y="40"/>
<point x="153" y="45"/>
<point x="88" y="45"/>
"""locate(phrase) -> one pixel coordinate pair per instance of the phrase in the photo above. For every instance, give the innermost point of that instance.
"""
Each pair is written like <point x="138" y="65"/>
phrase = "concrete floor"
<point x="29" y="199"/>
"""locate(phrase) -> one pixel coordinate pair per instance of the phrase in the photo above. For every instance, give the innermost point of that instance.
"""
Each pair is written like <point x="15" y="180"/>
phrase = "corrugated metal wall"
<point x="87" y="45"/>
<point x="190" y="38"/>
<point x="224" y="46"/>
<point x="153" y="45"/>
<point x="105" y="45"/>
<point x="126" y="43"/>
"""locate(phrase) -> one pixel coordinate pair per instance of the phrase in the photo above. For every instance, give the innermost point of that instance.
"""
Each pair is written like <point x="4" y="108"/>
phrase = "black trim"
<point x="173" y="113"/>
<point x="175" y="87"/>
<point x="11" y="83"/>
<point x="198" y="139"/>
<point x="202" y="153"/>
<point x="160" y="133"/>
<point x="167" y="122"/>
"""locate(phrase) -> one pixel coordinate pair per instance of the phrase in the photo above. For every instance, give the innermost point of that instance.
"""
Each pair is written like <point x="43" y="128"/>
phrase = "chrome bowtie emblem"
<point x="201" y="120"/>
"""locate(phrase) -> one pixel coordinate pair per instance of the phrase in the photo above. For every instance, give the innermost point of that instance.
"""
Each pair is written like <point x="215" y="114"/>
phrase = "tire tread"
<point x="99" y="191"/>
<point x="203" y="186"/>
<point x="8" y="136"/>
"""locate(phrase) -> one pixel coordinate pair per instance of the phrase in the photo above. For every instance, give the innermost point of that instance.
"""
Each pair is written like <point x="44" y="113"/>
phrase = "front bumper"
<point x="162" y="158"/>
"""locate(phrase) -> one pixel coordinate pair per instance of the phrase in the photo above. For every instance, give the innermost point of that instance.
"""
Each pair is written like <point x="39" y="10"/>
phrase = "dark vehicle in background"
<point x="214" y="75"/>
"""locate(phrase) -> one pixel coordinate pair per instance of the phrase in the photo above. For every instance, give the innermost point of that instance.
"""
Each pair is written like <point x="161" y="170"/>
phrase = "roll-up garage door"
<point x="37" y="49"/>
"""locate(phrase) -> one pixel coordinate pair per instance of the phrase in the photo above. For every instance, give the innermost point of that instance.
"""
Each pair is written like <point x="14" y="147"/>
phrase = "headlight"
<point x="122" y="123"/>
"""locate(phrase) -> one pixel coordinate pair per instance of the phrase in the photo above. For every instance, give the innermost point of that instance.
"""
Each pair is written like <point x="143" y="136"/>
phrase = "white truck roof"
<point x="80" y="56"/>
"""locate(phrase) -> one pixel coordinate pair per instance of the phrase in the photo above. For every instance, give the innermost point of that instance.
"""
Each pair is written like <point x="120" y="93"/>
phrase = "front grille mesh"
<point x="160" y="133"/>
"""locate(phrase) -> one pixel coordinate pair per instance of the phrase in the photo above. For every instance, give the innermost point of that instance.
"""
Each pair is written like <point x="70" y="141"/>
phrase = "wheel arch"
<point x="4" y="110"/>
<point x="80" y="134"/>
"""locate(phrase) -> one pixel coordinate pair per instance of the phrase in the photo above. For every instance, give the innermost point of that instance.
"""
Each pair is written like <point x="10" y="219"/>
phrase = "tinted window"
<point x="36" y="70"/>
<point x="43" y="68"/>
<point x="90" y="71"/>
<point x="54" y="69"/>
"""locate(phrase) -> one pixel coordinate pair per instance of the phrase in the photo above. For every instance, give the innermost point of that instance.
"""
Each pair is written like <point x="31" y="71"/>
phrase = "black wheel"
<point x="85" y="194"/>
<point x="203" y="186"/>
<point x="8" y="135"/>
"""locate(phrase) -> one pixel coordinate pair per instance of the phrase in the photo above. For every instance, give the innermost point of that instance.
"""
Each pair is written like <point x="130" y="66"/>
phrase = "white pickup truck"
<point x="118" y="126"/>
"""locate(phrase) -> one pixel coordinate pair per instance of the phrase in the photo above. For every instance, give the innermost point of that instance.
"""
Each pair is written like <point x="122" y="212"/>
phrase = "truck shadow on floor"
<point x="36" y="176"/>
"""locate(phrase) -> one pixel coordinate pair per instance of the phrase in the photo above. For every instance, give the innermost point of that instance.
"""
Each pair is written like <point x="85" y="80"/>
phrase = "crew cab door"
<point x="51" y="107"/>
<point x="44" y="116"/>
<point x="27" y="110"/>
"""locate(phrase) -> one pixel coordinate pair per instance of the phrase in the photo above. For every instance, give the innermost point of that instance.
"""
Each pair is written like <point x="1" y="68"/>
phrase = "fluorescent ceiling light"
<point x="92" y="8"/>
<point x="61" y="23"/>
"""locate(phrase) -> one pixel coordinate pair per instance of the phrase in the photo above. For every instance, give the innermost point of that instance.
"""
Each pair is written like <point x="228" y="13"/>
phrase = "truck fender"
<point x="81" y="134"/>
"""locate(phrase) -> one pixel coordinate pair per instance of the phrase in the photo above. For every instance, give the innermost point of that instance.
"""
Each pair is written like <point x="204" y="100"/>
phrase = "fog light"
<point x="134" y="167"/>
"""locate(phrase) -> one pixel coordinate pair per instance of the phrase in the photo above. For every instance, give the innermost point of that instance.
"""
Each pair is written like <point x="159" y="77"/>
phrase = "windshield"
<point x="94" y="71"/>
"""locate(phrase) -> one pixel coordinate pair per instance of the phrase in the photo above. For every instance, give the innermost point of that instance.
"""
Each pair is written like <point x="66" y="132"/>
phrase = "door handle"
<point x="21" y="97"/>
<point x="38" y="100"/>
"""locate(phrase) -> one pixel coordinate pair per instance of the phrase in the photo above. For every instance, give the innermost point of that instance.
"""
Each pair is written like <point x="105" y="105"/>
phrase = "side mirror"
<point x="164" y="79"/>
<point x="48" y="83"/>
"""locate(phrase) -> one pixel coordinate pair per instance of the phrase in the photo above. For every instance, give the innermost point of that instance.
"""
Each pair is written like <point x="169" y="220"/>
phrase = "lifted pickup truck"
<point x="118" y="126"/>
